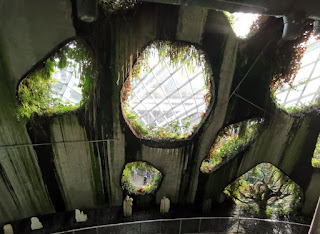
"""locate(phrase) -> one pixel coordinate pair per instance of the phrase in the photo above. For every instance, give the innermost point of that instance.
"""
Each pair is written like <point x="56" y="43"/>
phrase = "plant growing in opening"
<point x="230" y="141"/>
<point x="244" y="25"/>
<point x="297" y="86"/>
<point x="265" y="191"/>
<point x="114" y="5"/>
<point x="168" y="91"/>
<point x="316" y="155"/>
<point x="58" y="85"/>
<point x="140" y="178"/>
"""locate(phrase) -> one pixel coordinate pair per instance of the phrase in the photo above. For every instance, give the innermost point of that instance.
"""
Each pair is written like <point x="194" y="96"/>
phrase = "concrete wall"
<point x="91" y="146"/>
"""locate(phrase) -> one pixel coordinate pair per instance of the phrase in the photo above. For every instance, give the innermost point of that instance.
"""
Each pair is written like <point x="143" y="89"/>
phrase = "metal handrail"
<point x="181" y="219"/>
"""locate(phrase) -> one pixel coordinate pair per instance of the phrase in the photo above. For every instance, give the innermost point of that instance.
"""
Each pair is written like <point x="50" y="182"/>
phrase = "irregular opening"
<point x="265" y="191"/>
<point x="316" y="154"/>
<point x="140" y="178"/>
<point x="299" y="91"/>
<point x="244" y="25"/>
<point x="59" y="84"/>
<point x="168" y="92"/>
<point x="230" y="140"/>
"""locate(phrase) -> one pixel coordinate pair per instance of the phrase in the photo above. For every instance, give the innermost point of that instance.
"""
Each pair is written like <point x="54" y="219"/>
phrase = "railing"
<point x="199" y="225"/>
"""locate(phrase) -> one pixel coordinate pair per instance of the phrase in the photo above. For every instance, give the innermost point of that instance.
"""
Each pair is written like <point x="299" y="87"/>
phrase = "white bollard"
<point x="35" y="223"/>
<point x="80" y="216"/>
<point x="164" y="205"/>
<point x="127" y="206"/>
<point x="7" y="229"/>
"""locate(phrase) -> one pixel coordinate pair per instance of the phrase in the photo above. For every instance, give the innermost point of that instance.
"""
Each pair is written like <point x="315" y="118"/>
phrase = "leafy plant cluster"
<point x="174" y="129"/>
<point x="177" y="54"/>
<point x="289" y="59"/>
<point x="229" y="141"/>
<point x="115" y="5"/>
<point x="289" y="72"/>
<point x="140" y="168"/>
<point x="316" y="155"/>
<point x="34" y="91"/>
<point x="265" y="191"/>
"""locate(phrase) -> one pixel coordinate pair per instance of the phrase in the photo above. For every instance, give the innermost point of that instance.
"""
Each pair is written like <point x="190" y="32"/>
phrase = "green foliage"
<point x="128" y="180"/>
<point x="34" y="91"/>
<point x="265" y="191"/>
<point x="316" y="155"/>
<point x="229" y="141"/>
<point x="299" y="108"/>
<point x="177" y="54"/>
<point x="175" y="129"/>
<point x="115" y="5"/>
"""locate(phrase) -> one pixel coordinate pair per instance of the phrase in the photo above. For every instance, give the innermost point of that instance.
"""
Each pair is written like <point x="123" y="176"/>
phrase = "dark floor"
<point x="59" y="222"/>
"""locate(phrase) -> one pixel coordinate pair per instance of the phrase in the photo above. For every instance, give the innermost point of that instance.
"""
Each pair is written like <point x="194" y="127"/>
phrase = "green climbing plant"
<point x="134" y="172"/>
<point x="176" y="54"/>
<point x="229" y="141"/>
<point x="34" y="91"/>
<point x="265" y="191"/>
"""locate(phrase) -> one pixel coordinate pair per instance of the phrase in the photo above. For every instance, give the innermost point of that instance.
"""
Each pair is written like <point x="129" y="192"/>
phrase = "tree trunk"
<point x="262" y="209"/>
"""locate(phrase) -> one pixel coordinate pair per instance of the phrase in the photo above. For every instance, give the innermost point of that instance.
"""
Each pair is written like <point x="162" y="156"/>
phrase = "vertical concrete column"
<point x="315" y="225"/>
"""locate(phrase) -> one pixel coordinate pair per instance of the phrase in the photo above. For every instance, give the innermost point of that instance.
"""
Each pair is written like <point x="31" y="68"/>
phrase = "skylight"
<point x="242" y="23"/>
<point x="305" y="88"/>
<point x="169" y="96"/>
<point x="65" y="84"/>
<point x="57" y="85"/>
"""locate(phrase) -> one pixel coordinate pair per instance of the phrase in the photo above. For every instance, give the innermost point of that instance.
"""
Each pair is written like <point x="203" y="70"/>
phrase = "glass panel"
<point x="175" y="92"/>
<point x="305" y="86"/>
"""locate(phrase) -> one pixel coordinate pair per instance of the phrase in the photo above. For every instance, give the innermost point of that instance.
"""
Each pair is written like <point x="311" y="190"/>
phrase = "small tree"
<point x="265" y="190"/>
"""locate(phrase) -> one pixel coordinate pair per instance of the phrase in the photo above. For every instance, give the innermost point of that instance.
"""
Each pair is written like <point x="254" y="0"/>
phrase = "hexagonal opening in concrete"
<point x="140" y="178"/>
<point x="300" y="90"/>
<point x="265" y="191"/>
<point x="229" y="142"/>
<point x="244" y="25"/>
<point x="316" y="154"/>
<point x="168" y="93"/>
<point x="59" y="84"/>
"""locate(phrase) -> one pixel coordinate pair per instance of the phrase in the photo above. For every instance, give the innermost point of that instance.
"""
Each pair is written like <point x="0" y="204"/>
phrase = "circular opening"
<point x="59" y="84"/>
<point x="168" y="92"/>
<point x="140" y="178"/>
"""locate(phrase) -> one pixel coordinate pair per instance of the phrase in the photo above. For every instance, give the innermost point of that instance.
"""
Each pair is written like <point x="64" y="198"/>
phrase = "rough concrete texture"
<point x="74" y="163"/>
<point x="191" y="24"/>
<point x="89" y="173"/>
<point x="30" y="29"/>
<point x="22" y="190"/>
<point x="312" y="193"/>
<point x="170" y="163"/>
<point x="216" y="120"/>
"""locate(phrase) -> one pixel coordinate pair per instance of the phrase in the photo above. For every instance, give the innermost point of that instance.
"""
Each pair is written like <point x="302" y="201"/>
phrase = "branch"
<point x="252" y="198"/>
<point x="246" y="202"/>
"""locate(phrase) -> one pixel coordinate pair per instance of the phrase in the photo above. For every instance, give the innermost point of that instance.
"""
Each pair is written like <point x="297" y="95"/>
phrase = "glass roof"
<point x="164" y="94"/>
<point x="65" y="84"/>
<point x="305" y="88"/>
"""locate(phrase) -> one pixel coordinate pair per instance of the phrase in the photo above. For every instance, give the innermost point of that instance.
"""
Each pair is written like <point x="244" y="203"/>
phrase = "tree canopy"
<point x="265" y="191"/>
